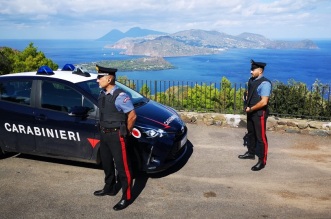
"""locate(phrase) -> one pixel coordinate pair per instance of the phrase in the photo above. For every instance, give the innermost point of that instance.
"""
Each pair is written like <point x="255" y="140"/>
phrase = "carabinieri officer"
<point x="259" y="91"/>
<point x="117" y="117"/>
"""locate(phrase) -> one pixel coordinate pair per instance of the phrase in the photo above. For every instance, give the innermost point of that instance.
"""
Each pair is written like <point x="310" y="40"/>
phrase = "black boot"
<point x="107" y="190"/>
<point x="259" y="166"/>
<point x="247" y="155"/>
<point x="123" y="203"/>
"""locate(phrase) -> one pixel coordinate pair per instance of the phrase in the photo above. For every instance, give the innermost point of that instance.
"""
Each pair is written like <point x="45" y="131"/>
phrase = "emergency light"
<point x="45" y="70"/>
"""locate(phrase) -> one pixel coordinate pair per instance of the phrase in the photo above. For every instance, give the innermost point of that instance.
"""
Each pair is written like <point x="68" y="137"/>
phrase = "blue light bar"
<point x="45" y="70"/>
<point x="68" y="67"/>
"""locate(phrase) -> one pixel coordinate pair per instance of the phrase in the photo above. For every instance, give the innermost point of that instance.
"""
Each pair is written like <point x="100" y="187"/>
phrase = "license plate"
<point x="183" y="141"/>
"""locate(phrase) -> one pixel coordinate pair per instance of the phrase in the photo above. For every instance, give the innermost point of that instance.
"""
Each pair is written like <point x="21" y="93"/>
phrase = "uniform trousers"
<point x="257" y="142"/>
<point x="114" y="154"/>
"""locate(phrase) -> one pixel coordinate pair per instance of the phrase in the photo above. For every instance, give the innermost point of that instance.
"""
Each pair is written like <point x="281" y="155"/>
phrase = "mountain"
<point x="112" y="36"/>
<point x="115" y="35"/>
<point x="201" y="42"/>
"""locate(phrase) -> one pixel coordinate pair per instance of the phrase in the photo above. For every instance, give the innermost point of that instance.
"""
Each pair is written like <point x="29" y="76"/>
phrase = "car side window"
<point x="59" y="97"/>
<point x="16" y="91"/>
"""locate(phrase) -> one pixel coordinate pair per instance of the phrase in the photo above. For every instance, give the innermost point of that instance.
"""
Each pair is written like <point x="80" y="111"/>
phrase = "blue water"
<point x="305" y="66"/>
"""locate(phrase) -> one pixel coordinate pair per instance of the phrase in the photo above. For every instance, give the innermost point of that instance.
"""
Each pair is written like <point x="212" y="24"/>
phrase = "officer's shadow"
<point x="141" y="178"/>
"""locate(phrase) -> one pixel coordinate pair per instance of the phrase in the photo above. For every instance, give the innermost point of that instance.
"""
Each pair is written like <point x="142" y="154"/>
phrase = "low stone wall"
<point x="301" y="126"/>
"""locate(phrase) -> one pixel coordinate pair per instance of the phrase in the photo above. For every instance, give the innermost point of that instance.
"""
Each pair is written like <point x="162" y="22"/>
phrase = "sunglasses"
<point x="100" y="76"/>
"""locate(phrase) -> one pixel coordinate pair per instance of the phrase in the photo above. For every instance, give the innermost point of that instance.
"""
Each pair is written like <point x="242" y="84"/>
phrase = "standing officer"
<point x="117" y="117"/>
<point x="259" y="90"/>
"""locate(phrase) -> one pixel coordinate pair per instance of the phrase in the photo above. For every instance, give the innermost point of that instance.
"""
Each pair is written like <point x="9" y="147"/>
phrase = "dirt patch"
<point x="209" y="194"/>
<point x="311" y="149"/>
<point x="287" y="194"/>
<point x="311" y="146"/>
<point x="318" y="153"/>
<point x="325" y="198"/>
<point x="303" y="199"/>
<point x="319" y="158"/>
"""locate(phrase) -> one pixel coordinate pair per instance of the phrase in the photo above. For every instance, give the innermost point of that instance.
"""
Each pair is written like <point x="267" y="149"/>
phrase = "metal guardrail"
<point x="227" y="97"/>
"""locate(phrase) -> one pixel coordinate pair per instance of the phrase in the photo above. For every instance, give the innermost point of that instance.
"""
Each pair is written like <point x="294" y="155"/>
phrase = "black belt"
<point x="107" y="130"/>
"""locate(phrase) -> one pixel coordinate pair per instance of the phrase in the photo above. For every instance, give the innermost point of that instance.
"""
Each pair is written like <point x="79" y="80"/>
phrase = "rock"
<point x="318" y="133"/>
<point x="218" y="123"/>
<point x="314" y="125"/>
<point x="303" y="125"/>
<point x="292" y="130"/>
<point x="208" y="121"/>
<point x="280" y="128"/>
<point x="273" y="124"/>
<point x="232" y="119"/>
<point x="292" y="123"/>
<point x="327" y="126"/>
<point x="282" y="122"/>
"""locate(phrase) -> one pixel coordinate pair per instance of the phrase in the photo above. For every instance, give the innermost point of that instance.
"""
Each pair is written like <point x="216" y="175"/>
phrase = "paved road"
<point x="210" y="183"/>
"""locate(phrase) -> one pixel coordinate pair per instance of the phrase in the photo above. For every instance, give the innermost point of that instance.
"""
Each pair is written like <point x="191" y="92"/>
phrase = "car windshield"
<point x="92" y="87"/>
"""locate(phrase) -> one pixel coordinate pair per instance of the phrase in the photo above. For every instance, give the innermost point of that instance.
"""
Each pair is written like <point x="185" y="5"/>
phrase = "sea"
<point x="283" y="65"/>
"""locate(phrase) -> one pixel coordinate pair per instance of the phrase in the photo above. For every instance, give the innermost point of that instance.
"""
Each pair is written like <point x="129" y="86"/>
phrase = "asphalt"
<point x="210" y="182"/>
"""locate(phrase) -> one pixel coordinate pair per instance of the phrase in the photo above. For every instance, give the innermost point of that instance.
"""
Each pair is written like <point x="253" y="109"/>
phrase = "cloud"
<point x="71" y="18"/>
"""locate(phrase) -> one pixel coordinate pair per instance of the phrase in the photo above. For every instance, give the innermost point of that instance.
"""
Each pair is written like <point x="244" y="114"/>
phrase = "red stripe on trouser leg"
<point x="263" y="135"/>
<point x="126" y="168"/>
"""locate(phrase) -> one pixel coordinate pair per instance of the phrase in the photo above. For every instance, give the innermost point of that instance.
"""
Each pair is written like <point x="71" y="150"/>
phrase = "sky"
<point x="92" y="19"/>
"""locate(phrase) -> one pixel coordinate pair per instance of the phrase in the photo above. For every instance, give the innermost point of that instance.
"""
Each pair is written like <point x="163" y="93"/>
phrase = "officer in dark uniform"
<point x="117" y="117"/>
<point x="259" y="90"/>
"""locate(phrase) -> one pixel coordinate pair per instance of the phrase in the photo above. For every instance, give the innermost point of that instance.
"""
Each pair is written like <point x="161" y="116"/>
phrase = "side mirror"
<point x="79" y="111"/>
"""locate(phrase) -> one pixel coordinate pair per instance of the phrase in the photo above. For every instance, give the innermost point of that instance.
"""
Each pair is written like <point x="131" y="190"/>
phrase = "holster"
<point x="123" y="130"/>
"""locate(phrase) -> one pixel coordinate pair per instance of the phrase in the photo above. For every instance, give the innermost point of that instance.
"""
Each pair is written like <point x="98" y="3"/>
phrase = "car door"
<point x="17" y="115"/>
<point x="62" y="134"/>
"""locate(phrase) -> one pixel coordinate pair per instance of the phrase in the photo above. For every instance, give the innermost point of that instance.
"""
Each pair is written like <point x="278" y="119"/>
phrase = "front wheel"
<point x="2" y="153"/>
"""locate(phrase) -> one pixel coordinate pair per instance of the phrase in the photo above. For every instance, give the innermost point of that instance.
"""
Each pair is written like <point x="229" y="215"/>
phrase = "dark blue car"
<point x="55" y="114"/>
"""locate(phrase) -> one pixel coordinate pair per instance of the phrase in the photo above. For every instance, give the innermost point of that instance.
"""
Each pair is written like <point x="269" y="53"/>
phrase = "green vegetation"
<point x="140" y="64"/>
<point x="12" y="61"/>
<point x="296" y="99"/>
<point x="291" y="100"/>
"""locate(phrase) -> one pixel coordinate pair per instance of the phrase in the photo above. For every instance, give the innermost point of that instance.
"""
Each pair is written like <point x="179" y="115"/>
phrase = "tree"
<point x="201" y="97"/>
<point x="145" y="90"/>
<point x="28" y="60"/>
<point x="7" y="58"/>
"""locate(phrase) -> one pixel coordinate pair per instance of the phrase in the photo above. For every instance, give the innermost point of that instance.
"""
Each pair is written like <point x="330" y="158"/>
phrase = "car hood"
<point x="159" y="116"/>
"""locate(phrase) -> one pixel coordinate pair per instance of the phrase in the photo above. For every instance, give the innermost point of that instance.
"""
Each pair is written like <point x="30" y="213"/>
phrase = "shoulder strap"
<point x="116" y="93"/>
<point x="250" y="95"/>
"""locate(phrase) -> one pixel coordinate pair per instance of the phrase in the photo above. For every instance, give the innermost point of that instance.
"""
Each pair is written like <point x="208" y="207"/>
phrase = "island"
<point x="201" y="42"/>
<point x="139" y="64"/>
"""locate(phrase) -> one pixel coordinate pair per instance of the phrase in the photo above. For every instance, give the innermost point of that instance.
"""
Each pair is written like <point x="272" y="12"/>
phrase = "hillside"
<point x="140" y="64"/>
<point x="201" y="42"/>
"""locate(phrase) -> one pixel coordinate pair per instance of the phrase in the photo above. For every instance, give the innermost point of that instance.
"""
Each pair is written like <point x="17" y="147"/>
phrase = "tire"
<point x="2" y="153"/>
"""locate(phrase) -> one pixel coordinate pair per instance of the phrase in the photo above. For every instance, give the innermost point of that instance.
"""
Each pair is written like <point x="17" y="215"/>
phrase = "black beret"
<point x="257" y="65"/>
<point x="105" y="71"/>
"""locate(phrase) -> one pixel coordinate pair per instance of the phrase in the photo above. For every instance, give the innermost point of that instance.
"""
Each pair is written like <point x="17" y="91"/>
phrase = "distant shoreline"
<point x="140" y="64"/>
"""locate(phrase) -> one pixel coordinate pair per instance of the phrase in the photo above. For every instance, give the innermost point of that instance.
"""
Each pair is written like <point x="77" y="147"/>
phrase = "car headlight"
<point x="152" y="133"/>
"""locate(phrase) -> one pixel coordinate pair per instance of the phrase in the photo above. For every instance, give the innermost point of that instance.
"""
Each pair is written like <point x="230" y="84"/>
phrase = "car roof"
<point x="63" y="75"/>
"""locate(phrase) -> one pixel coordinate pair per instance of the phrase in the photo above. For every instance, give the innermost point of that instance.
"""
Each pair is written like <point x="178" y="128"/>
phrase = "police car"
<point x="55" y="114"/>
